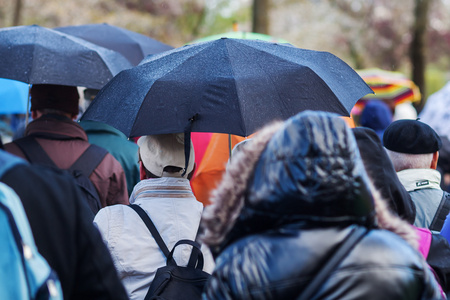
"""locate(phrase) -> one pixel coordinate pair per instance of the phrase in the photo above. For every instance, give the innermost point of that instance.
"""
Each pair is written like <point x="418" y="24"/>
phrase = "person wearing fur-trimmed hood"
<point x="289" y="198"/>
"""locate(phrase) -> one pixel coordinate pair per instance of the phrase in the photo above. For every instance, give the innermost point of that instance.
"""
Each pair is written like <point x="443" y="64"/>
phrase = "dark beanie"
<point x="412" y="137"/>
<point x="60" y="97"/>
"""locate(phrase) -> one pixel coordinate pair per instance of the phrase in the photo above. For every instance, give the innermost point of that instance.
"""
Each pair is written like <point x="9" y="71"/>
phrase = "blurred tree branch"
<point x="260" y="18"/>
<point x="17" y="13"/>
<point x="417" y="47"/>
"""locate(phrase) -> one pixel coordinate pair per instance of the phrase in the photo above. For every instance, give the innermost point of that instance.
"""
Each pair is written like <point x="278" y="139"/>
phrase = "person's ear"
<point x="142" y="174"/>
<point x="434" y="160"/>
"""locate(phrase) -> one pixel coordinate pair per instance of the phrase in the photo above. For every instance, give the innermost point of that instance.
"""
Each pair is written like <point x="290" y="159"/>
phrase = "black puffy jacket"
<point x="306" y="191"/>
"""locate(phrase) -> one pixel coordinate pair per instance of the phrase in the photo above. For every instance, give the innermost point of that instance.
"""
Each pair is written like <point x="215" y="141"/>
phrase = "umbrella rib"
<point x="314" y="72"/>
<point x="32" y="57"/>
<point x="238" y="102"/>
<point x="140" y="107"/>
<point x="151" y="87"/>
<point x="186" y="60"/>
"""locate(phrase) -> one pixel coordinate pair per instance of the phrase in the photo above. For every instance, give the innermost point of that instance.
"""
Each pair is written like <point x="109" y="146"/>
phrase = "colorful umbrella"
<point x="387" y="85"/>
<point x="212" y="166"/>
<point x="200" y="141"/>
<point x="390" y="85"/>
<point x="241" y="35"/>
<point x="212" y="152"/>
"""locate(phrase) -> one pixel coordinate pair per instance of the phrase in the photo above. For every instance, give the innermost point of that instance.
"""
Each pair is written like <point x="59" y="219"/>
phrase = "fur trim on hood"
<point x="229" y="199"/>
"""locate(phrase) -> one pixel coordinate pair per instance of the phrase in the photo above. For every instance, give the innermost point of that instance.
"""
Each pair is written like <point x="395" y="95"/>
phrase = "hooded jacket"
<point x="382" y="172"/>
<point x="284" y="207"/>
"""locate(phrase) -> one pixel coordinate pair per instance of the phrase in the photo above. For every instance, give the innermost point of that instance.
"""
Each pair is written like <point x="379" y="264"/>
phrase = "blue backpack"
<point x="24" y="273"/>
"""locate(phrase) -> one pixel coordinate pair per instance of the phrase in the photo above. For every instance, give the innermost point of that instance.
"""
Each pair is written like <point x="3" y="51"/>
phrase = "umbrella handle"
<point x="187" y="142"/>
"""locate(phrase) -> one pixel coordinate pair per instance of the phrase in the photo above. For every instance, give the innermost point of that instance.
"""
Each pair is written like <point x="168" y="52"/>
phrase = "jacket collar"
<point x="164" y="187"/>
<point x="56" y="125"/>
<point x="416" y="179"/>
<point x="93" y="126"/>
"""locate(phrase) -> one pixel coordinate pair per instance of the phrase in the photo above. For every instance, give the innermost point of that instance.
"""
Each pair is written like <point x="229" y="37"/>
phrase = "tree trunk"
<point x="17" y="13"/>
<point x="260" y="16"/>
<point x="418" y="49"/>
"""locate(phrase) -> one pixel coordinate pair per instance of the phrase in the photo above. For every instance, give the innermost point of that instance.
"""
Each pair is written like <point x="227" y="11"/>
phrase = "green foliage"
<point x="218" y="22"/>
<point x="435" y="79"/>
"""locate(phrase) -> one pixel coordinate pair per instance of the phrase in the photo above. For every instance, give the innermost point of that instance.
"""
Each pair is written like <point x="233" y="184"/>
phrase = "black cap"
<point x="412" y="137"/>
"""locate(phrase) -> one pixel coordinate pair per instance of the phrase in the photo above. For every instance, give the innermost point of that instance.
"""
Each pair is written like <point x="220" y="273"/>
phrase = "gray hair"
<point x="403" y="161"/>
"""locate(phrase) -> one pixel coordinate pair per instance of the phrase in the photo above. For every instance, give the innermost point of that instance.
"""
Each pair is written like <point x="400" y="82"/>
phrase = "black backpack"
<point x="174" y="282"/>
<point x="81" y="169"/>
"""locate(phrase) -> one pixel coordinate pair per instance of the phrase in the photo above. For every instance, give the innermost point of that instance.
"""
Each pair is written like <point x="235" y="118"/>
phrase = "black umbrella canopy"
<point x="226" y="86"/>
<point x="132" y="45"/>
<point x="38" y="55"/>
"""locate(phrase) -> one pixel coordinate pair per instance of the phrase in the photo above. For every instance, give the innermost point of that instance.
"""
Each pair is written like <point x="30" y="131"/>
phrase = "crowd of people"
<point x="308" y="208"/>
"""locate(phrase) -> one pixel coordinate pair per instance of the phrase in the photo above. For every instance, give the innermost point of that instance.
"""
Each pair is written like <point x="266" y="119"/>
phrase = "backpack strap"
<point x="196" y="251"/>
<point x="86" y="163"/>
<point x="33" y="151"/>
<point x="441" y="213"/>
<point x="343" y="250"/>
<point x="148" y="222"/>
<point x="89" y="160"/>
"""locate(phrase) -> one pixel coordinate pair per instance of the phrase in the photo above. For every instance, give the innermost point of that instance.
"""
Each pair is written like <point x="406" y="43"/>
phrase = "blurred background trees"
<point x="411" y="36"/>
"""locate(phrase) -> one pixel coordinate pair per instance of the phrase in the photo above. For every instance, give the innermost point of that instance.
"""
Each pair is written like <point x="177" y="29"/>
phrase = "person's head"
<point x="54" y="99"/>
<point x="382" y="173"/>
<point x="412" y="144"/>
<point x="377" y="116"/>
<point x="305" y="171"/>
<point x="163" y="155"/>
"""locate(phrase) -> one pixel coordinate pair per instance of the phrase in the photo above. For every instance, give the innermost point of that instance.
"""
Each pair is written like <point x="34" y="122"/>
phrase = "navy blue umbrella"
<point x="227" y="86"/>
<point x="38" y="55"/>
<point x="132" y="45"/>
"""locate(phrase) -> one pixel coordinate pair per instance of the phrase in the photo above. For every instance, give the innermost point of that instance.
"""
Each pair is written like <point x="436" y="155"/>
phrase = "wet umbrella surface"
<point x="132" y="45"/>
<point x="227" y="86"/>
<point x="38" y="55"/>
